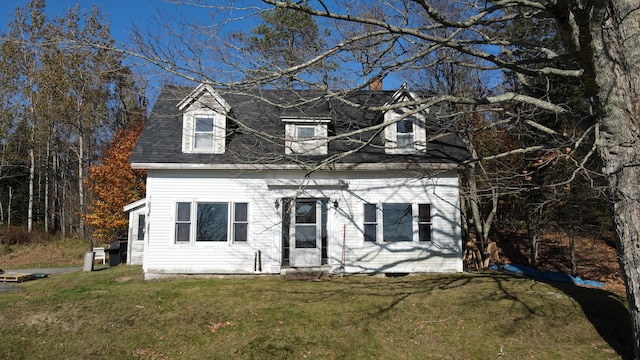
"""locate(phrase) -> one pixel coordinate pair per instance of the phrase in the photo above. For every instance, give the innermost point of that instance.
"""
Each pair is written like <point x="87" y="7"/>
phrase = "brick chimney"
<point x="375" y="84"/>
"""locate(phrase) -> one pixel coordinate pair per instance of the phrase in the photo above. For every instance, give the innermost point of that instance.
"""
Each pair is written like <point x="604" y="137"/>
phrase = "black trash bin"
<point x="123" y="250"/>
<point x="114" y="253"/>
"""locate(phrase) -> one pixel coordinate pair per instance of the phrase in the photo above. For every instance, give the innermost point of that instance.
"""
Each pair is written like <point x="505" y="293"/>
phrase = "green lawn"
<point x="114" y="314"/>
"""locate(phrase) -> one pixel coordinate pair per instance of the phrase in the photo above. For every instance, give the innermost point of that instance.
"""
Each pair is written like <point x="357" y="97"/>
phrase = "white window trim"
<point x="430" y="222"/>
<point x="412" y="123"/>
<point x="176" y="222"/>
<point x="318" y="145"/>
<point x="391" y="133"/>
<point x="376" y="222"/>
<point x="415" y="224"/>
<point x="209" y="133"/>
<point x="203" y="101"/>
<point x="189" y="131"/>
<point x="233" y="221"/>
<point x="193" y="225"/>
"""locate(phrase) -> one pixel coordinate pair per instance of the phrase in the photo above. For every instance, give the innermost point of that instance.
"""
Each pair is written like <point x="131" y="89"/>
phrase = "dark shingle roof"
<point x="255" y="130"/>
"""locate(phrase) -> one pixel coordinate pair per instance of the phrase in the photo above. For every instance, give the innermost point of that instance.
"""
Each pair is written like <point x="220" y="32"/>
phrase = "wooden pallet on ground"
<point x="15" y="277"/>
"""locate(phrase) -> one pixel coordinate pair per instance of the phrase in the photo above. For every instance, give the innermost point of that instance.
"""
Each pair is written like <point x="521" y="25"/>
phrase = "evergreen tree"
<point x="284" y="39"/>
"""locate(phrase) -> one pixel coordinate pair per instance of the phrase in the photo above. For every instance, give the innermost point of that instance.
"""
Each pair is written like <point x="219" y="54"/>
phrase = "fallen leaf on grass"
<point x="215" y="326"/>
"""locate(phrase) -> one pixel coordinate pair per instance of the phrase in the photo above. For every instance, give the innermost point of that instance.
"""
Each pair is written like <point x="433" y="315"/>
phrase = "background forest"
<point x="65" y="112"/>
<point x="72" y="108"/>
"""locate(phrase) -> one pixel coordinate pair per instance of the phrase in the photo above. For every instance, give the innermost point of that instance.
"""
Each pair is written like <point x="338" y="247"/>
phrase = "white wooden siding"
<point x="346" y="246"/>
<point x="135" y="247"/>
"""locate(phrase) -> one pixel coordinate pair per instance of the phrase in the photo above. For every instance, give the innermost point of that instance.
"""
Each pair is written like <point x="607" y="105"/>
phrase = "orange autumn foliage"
<point x="114" y="184"/>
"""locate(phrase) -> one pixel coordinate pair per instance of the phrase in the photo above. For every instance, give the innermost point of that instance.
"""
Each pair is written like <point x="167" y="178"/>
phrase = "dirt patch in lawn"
<point x="595" y="255"/>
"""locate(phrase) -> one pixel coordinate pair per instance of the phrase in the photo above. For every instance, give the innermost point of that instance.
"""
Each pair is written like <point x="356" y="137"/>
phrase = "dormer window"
<point x="203" y="131"/>
<point x="406" y="130"/>
<point x="204" y="117"/>
<point x="404" y="135"/>
<point x="305" y="136"/>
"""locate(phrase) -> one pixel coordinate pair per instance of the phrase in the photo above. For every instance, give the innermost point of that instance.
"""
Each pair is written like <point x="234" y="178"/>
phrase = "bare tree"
<point x="600" y="47"/>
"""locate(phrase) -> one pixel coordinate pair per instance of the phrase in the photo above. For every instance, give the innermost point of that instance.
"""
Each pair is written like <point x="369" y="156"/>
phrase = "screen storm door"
<point x="306" y="233"/>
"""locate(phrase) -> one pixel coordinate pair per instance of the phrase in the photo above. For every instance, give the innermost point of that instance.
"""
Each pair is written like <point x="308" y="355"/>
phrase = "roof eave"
<point x="334" y="166"/>
<point x="197" y="93"/>
<point x="135" y="205"/>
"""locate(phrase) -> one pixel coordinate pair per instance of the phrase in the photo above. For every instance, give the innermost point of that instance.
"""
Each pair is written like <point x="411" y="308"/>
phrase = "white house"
<point x="264" y="182"/>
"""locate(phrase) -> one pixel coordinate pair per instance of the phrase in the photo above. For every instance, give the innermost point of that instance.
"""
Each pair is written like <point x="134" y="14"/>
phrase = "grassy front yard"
<point x="114" y="314"/>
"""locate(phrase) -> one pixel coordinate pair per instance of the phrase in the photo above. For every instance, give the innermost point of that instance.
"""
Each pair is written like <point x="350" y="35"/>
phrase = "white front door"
<point x="306" y="233"/>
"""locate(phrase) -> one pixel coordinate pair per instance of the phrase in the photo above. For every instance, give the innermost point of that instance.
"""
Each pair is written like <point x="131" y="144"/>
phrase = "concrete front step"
<point x="304" y="274"/>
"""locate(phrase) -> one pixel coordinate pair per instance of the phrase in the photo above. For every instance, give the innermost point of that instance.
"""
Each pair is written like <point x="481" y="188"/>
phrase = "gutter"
<point x="334" y="166"/>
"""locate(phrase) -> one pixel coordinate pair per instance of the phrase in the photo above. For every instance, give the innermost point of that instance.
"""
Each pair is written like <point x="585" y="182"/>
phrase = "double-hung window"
<point x="240" y="222"/>
<point x="424" y="222"/>
<point x="370" y="222"/>
<point x="203" y="137"/>
<point x="203" y="222"/>
<point x="183" y="222"/>
<point x="395" y="222"/>
<point x="404" y="133"/>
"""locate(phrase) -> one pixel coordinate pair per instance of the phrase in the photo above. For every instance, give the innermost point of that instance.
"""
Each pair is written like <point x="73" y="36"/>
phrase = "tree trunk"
<point x="54" y="198"/>
<point x="81" y="229"/>
<point x="572" y="252"/>
<point x="46" y="189"/>
<point x="32" y="169"/>
<point x="615" y="42"/>
<point x="533" y="232"/>
<point x="482" y="225"/>
<point x="63" y="208"/>
<point x="9" y="206"/>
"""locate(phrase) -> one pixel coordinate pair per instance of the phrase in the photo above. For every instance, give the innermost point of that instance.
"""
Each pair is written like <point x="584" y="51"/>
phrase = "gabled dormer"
<point x="306" y="136"/>
<point x="204" y="117"/>
<point x="406" y="132"/>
